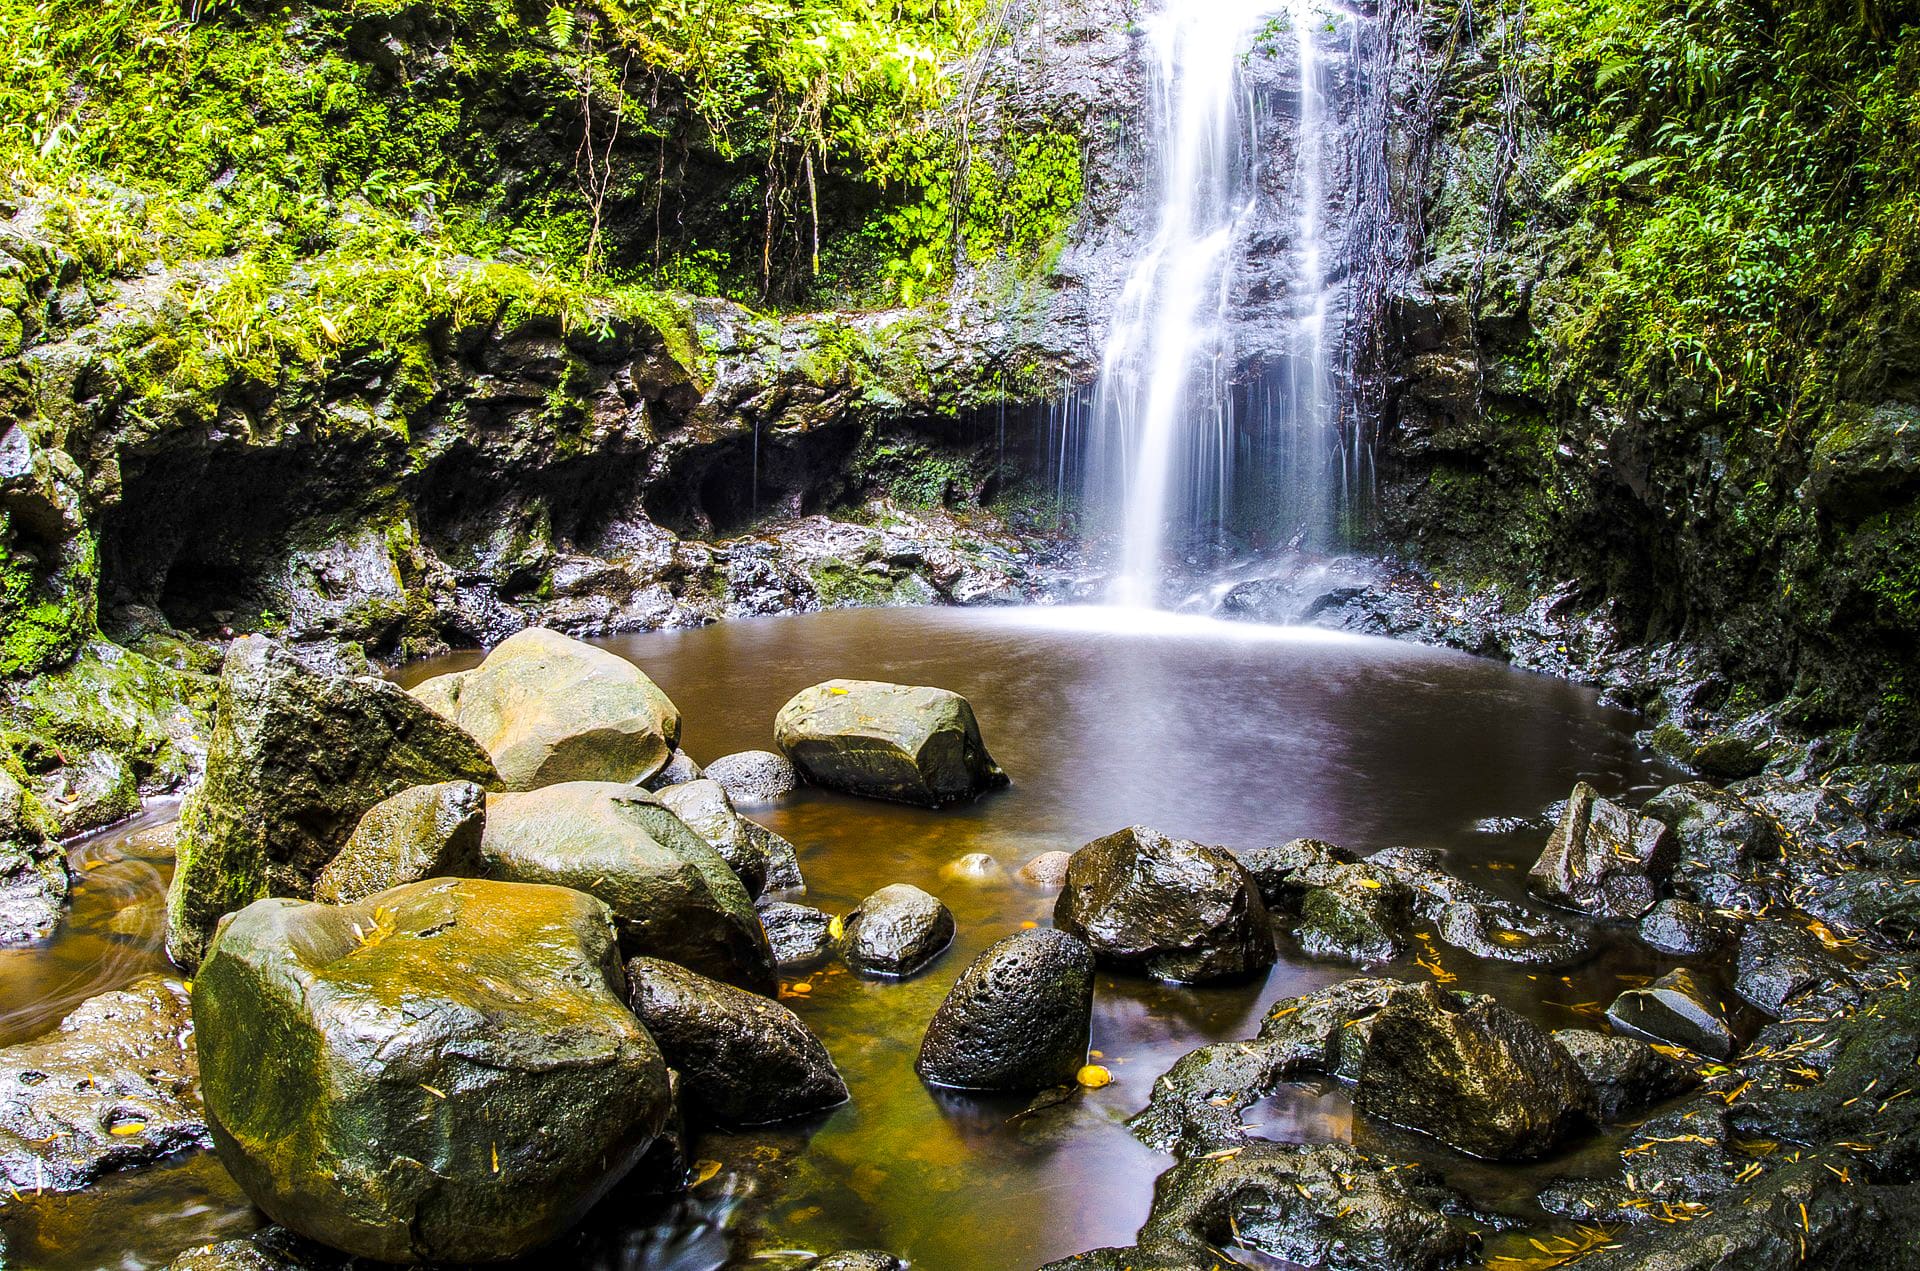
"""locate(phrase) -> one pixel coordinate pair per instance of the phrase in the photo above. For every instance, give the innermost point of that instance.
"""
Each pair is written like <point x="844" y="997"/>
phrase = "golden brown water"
<point x="1231" y="735"/>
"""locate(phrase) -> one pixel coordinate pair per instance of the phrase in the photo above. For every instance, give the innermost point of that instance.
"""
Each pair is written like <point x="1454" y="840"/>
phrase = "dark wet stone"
<point x="33" y="867"/>
<point x="1683" y="928"/>
<point x="1019" y="1017"/>
<point x="704" y="808"/>
<point x="1474" y="920"/>
<point x="1679" y="1010"/>
<point x="1725" y="849"/>
<point x="887" y="741"/>
<point x="1278" y="870"/>
<point x="896" y="931"/>
<point x="270" y="1249"/>
<point x="801" y="935"/>
<point x="114" y="1086"/>
<point x="1355" y="913"/>
<point x="1780" y="961"/>
<point x="550" y="708"/>
<point x="1879" y="904"/>
<point x="1472" y="1074"/>
<point x="426" y="832"/>
<point x="783" y="862"/>
<point x="857" y="1260"/>
<point x="296" y="760"/>
<point x="1049" y="869"/>
<point x="754" y="777"/>
<point x="1172" y="908"/>
<point x="1603" y="859"/>
<point x="680" y="769"/>
<point x="1627" y="1074"/>
<point x="1588" y="1200"/>
<point x="742" y="1058"/>
<point x="671" y="894"/>
<point x="459" y="1077"/>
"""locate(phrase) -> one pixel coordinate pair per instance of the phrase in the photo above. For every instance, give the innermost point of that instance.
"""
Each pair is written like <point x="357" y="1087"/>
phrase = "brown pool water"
<point x="1225" y="733"/>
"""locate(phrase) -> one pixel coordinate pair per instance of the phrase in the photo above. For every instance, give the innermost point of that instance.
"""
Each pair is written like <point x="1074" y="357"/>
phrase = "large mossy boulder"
<point x="1604" y="859"/>
<point x="549" y="708"/>
<point x="743" y="1059"/>
<point x="297" y="759"/>
<point x="447" y="1071"/>
<point x="426" y="832"/>
<point x="672" y="895"/>
<point x="1019" y="1018"/>
<point x="1175" y="909"/>
<point x="33" y="866"/>
<point x="887" y="741"/>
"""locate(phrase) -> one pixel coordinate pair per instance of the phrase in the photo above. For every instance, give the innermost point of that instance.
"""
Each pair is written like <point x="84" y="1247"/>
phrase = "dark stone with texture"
<point x="1780" y="961"/>
<point x="801" y="936"/>
<point x="888" y="741"/>
<point x="857" y="1260"/>
<point x="1174" y="909"/>
<point x="1278" y="870"/>
<point x="755" y="777"/>
<point x="705" y="809"/>
<point x="1359" y="913"/>
<point x="671" y="894"/>
<point x="1471" y="918"/>
<point x="443" y="1072"/>
<point x="114" y="1086"/>
<point x="896" y="931"/>
<point x="1019" y="1018"/>
<point x="296" y="760"/>
<point x="1472" y="1074"/>
<point x="680" y="769"/>
<point x="742" y="1058"/>
<point x="426" y="832"/>
<point x="1627" y="1074"/>
<point x="1683" y="928"/>
<point x="1726" y="850"/>
<point x="1676" y="1009"/>
<point x="1603" y="859"/>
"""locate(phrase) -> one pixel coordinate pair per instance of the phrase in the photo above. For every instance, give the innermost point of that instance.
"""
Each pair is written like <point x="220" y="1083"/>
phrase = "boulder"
<point x="1627" y="1074"/>
<point x="1019" y="1018"/>
<point x="857" y="1260"/>
<point x="671" y="894"/>
<point x="1471" y="918"/>
<point x="114" y="1086"/>
<point x="550" y="709"/>
<point x="887" y="741"/>
<point x="1604" y="859"/>
<point x="1682" y="928"/>
<point x="800" y="935"/>
<point x="974" y="867"/>
<point x="1726" y="849"/>
<point x="1175" y="909"/>
<point x="33" y="867"/>
<point x="1780" y="962"/>
<point x="426" y="832"/>
<point x="705" y="809"/>
<point x="447" y="1071"/>
<point x="1676" y="1009"/>
<point x="296" y="760"/>
<point x="755" y="777"/>
<point x="742" y="1058"/>
<point x="1282" y="872"/>
<point x="680" y="769"/>
<point x="1356" y="913"/>
<point x="1047" y="870"/>
<point x="896" y="931"/>
<point x="1472" y="1074"/>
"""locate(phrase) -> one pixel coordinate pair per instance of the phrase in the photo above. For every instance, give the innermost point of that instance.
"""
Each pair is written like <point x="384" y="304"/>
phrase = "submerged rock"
<point x="457" y="1074"/>
<point x="1604" y="859"/>
<point x="1472" y="1074"/>
<point x="888" y="741"/>
<point x="1627" y="1074"/>
<point x="114" y="1086"/>
<point x="1677" y="1009"/>
<point x="671" y="894"/>
<point x="1019" y="1018"/>
<point x="426" y="832"/>
<point x="1474" y="920"/>
<point x="974" y="867"/>
<point x="1175" y="909"/>
<point x="800" y="935"/>
<point x="896" y="931"/>
<point x="33" y="867"/>
<point x="742" y="1058"/>
<point x="755" y="777"/>
<point x="1049" y="869"/>
<point x="549" y="708"/>
<point x="296" y="760"/>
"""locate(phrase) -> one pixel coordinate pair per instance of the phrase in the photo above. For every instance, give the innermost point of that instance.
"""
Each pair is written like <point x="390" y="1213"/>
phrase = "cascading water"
<point x="1166" y="407"/>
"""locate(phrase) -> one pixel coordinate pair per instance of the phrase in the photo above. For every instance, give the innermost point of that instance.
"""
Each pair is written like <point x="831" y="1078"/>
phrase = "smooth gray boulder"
<point x="1171" y="908"/>
<point x="896" y="931"/>
<point x="297" y="758"/>
<point x="1019" y="1018"/>
<point x="755" y="777"/>
<point x="671" y="894"/>
<point x="1604" y="859"/>
<point x="426" y="832"/>
<point x="1679" y="1010"/>
<point x="680" y="769"/>
<point x="764" y="860"/>
<point x="743" y="1059"/>
<point x="897" y="742"/>
<point x="549" y="708"/>
<point x="444" y="1072"/>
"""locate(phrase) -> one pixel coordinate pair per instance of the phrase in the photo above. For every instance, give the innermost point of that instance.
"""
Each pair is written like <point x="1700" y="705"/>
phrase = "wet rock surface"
<point x="1019" y="1017"/>
<point x="1604" y="859"/>
<point x="1354" y="913"/>
<point x="743" y="1059"/>
<point x="896" y="931"/>
<point x="887" y="741"/>
<point x="703" y="806"/>
<point x="754" y="777"/>
<point x="296" y="760"/>
<point x="549" y="708"/>
<point x="1171" y="908"/>
<point x="671" y="894"/>
<point x="33" y="866"/>
<point x="1780" y="962"/>
<point x="1677" y="1009"/>
<point x="800" y="935"/>
<point x="426" y="832"/>
<point x="1627" y="1075"/>
<point x="462" y="1078"/>
<point x="1684" y="928"/>
<point x="113" y="1087"/>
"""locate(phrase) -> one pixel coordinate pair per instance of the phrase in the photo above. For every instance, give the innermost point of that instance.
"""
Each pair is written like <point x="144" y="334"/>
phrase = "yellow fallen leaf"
<point x="702" y="1171"/>
<point x="836" y="928"/>
<point x="128" y="1127"/>
<point x="1093" y="1076"/>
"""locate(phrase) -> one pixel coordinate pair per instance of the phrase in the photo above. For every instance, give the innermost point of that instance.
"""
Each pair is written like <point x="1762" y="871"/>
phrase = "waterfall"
<point x="1169" y="399"/>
